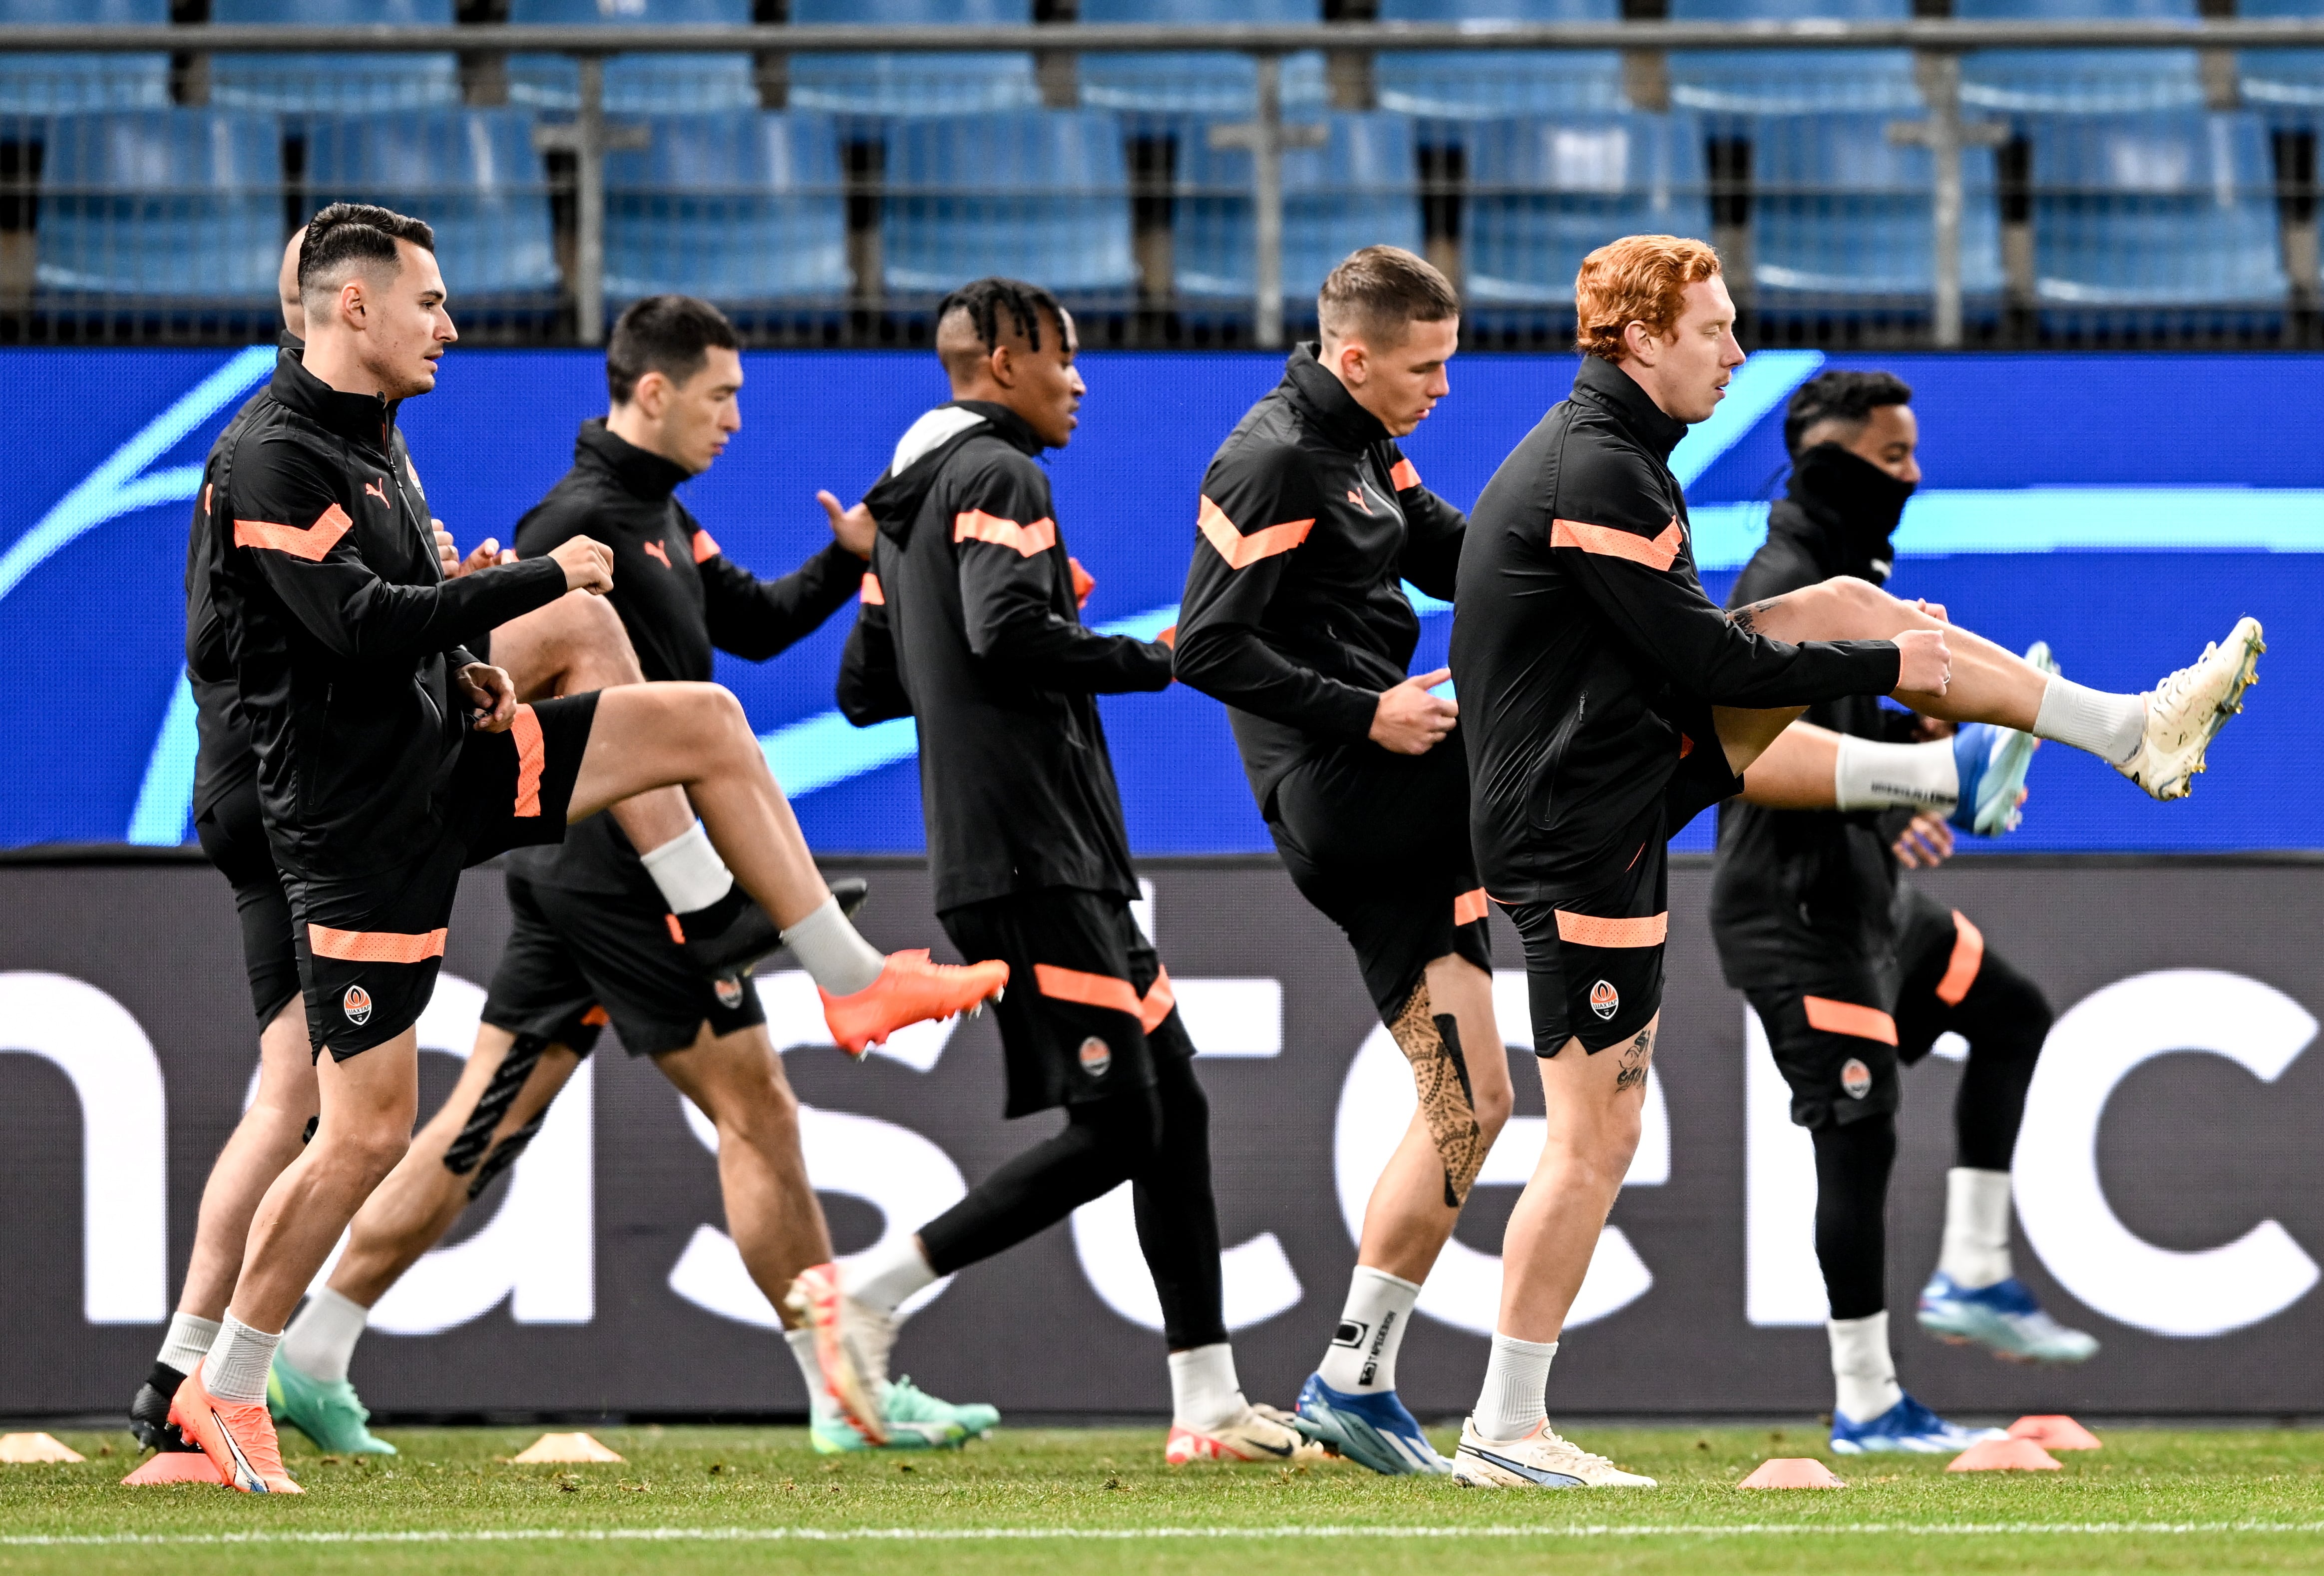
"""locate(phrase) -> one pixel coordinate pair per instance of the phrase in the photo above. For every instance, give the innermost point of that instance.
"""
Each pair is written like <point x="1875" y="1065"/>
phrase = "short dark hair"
<point x="1380" y="289"/>
<point x="1846" y="397"/>
<point x="984" y="299"/>
<point x="358" y="233"/>
<point x="670" y="334"/>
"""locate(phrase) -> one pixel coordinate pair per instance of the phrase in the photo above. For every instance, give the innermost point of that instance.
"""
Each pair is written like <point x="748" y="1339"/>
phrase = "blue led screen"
<point x="2124" y="508"/>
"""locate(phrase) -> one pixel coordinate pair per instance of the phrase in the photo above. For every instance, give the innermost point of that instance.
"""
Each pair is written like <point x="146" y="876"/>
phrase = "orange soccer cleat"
<point x="909" y="990"/>
<point x="237" y="1436"/>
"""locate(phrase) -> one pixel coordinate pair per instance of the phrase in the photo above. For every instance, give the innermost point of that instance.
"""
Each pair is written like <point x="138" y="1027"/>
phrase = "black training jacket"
<point x="969" y="625"/>
<point x="1582" y="630"/>
<point x="1295" y="612"/>
<point x="313" y="583"/>
<point x="679" y="597"/>
<point x="1803" y="897"/>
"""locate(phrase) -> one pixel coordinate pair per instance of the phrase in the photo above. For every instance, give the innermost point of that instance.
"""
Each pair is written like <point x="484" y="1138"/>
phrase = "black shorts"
<point x="1837" y="1048"/>
<point x="1946" y="980"/>
<point x="576" y="959"/>
<point x="1088" y="1006"/>
<point x="234" y="835"/>
<point x="370" y="946"/>
<point x="1379" y="842"/>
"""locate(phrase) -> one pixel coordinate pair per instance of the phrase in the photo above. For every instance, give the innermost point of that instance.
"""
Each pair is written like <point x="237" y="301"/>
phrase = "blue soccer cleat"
<point x="1992" y="763"/>
<point x="1373" y="1431"/>
<point x="2003" y="1317"/>
<point x="1907" y="1428"/>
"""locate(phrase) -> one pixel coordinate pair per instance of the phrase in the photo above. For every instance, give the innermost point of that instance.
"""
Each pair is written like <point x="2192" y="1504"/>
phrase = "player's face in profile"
<point x="702" y="413"/>
<point x="1405" y="381"/>
<point x="1052" y="383"/>
<point x="406" y="325"/>
<point x="1891" y="439"/>
<point x="1701" y="353"/>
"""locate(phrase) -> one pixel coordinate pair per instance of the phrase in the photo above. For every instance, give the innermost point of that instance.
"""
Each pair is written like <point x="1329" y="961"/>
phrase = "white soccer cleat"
<point x="2187" y="709"/>
<point x="1263" y="1435"/>
<point x="1541" y="1459"/>
<point x="852" y="1344"/>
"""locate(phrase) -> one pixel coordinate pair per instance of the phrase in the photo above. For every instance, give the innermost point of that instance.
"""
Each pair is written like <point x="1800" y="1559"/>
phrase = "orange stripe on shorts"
<point x="1968" y="956"/>
<point x="1589" y="930"/>
<point x="1158" y="1001"/>
<point x="1088" y="990"/>
<point x="1469" y="907"/>
<point x="1863" y="1023"/>
<point x="374" y="947"/>
<point x="531" y="754"/>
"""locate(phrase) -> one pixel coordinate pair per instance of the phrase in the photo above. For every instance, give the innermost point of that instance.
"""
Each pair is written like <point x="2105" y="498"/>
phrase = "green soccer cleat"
<point x="916" y="1421"/>
<point x="326" y="1413"/>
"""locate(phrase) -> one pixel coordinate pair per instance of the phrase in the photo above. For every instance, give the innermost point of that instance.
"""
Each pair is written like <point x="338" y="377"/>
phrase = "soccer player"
<point x="592" y="936"/>
<point x="1853" y="972"/>
<point x="389" y="758"/>
<point x="970" y="625"/>
<point x="1610" y="700"/>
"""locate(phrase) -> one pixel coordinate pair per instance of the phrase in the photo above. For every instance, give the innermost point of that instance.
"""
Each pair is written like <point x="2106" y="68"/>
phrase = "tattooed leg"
<point x="1431" y="1042"/>
<point x="1636" y="1056"/>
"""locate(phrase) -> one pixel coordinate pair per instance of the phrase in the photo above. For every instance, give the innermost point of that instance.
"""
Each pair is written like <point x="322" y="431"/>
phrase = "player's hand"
<point x="487" y="554"/>
<point x="588" y="564"/>
<point x="1924" y="664"/>
<point x="852" y="527"/>
<point x="448" y="557"/>
<point x="1935" y="610"/>
<point x="491" y="694"/>
<point x="1409" y="721"/>
<point x="1926" y="843"/>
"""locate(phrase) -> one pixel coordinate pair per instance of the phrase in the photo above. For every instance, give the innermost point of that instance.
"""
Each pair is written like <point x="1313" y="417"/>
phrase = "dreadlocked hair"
<point x="984" y="299"/>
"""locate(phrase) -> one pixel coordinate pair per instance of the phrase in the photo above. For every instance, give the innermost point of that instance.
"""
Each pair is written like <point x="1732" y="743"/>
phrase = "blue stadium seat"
<point x="1544" y="192"/>
<point x="2155" y="210"/>
<point x="741" y="207"/>
<point x="2282" y="76"/>
<point x="474" y="174"/>
<point x="1462" y="85"/>
<point x="1040" y="194"/>
<point x="58" y="84"/>
<point x="334" y="82"/>
<point x="1197" y="83"/>
<point x="636" y="84"/>
<point x="913" y="84"/>
<point x="1840" y="214"/>
<point x="1360" y="189"/>
<point x="2079" y="81"/>
<point x="166" y="204"/>
<point x="1792" y="81"/>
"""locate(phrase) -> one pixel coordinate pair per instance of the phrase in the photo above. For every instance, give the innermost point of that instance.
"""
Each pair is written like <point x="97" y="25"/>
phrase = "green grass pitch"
<point x="1038" y="1502"/>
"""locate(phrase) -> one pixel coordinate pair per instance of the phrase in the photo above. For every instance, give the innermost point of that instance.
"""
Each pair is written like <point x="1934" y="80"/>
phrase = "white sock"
<point x="832" y="952"/>
<point x="802" y="1345"/>
<point x="234" y="1367"/>
<point x="2109" y="726"/>
<point x="884" y="1275"/>
<point x="1863" y="1370"/>
<point x="688" y="871"/>
<point x="321" y="1340"/>
<point x="1204" y="1393"/>
<point x="1516" y="1381"/>
<point x="1977" y="1228"/>
<point x="188" y="1342"/>
<point x="1361" y="1358"/>
<point x="1873" y="776"/>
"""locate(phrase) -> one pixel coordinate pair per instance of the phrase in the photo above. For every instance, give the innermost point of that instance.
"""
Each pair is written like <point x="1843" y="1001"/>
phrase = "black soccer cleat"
<point x="734" y="935"/>
<point x="149" y="1414"/>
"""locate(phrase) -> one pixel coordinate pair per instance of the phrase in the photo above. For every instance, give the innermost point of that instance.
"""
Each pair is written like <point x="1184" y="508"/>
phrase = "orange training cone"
<point x="1792" y="1473"/>
<point x="2054" y="1432"/>
<point x="564" y="1447"/>
<point x="175" y="1466"/>
<point x="24" y="1449"/>
<point x="2005" y="1455"/>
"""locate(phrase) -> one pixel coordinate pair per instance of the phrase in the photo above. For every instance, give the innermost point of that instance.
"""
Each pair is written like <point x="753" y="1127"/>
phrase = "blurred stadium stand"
<point x="1460" y="85"/>
<point x="336" y="82"/>
<point x="914" y="84"/>
<point x="634" y="84"/>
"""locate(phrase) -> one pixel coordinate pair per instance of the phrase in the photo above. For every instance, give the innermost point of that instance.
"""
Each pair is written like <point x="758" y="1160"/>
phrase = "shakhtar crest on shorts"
<point x="356" y="1005"/>
<point x="1096" y="1056"/>
<point x="730" y="992"/>
<point x="1856" y="1078"/>
<point x="1604" y="1000"/>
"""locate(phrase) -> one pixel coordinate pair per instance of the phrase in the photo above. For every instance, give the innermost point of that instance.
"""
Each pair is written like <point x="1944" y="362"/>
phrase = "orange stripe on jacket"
<point x="706" y="546"/>
<point x="374" y="947"/>
<point x="531" y="754"/>
<point x="1968" y="956"/>
<point x="871" y="594"/>
<point x="1469" y="907"/>
<point x="1158" y="1002"/>
<point x="1863" y="1023"/>
<point x="1088" y="990"/>
<point x="312" y="542"/>
<point x="1238" y="549"/>
<point x="974" y="525"/>
<point x="1589" y="930"/>
<point x="1404" y="476"/>
<point x="1608" y="542"/>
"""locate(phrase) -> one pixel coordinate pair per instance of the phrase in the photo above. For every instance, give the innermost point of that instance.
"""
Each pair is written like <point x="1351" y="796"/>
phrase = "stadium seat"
<point x="741" y="207"/>
<point x="876" y="83"/>
<point x="1462" y="85"/>
<point x="1197" y="83"/>
<point x="2291" y="77"/>
<point x="1544" y="190"/>
<point x="1792" y="81"/>
<point x="2079" y="81"/>
<point x="1360" y="189"/>
<point x="474" y="174"/>
<point x="2155" y="210"/>
<point x="1841" y="214"/>
<point x="165" y="204"/>
<point x="641" y="84"/>
<point x="1040" y="194"/>
<point x="334" y="82"/>
<point x="59" y="84"/>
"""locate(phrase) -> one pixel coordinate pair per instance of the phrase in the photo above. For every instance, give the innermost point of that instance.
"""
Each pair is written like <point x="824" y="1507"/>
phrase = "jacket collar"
<point x="1007" y="425"/>
<point x="1308" y="383"/>
<point x="1601" y="383"/>
<point x="638" y="471"/>
<point x="1847" y="510"/>
<point x="366" y="419"/>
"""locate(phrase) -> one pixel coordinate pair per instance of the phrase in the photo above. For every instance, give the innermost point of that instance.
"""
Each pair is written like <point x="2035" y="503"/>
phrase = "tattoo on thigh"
<point x="1747" y="618"/>
<point x="1431" y="1042"/>
<point x="1636" y="1057"/>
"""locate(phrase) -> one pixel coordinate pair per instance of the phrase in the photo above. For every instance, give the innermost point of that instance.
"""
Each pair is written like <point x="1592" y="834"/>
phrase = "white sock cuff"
<point x="832" y="952"/>
<point x="1870" y="775"/>
<point x="1513" y="1400"/>
<point x="1976" y="1251"/>
<point x="321" y="1340"/>
<point x="810" y="1367"/>
<point x="886" y="1273"/>
<point x="1204" y="1393"/>
<point x="235" y="1367"/>
<point x="1387" y="1281"/>
<point x="687" y="871"/>
<point x="189" y="1339"/>
<point x="2109" y="726"/>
